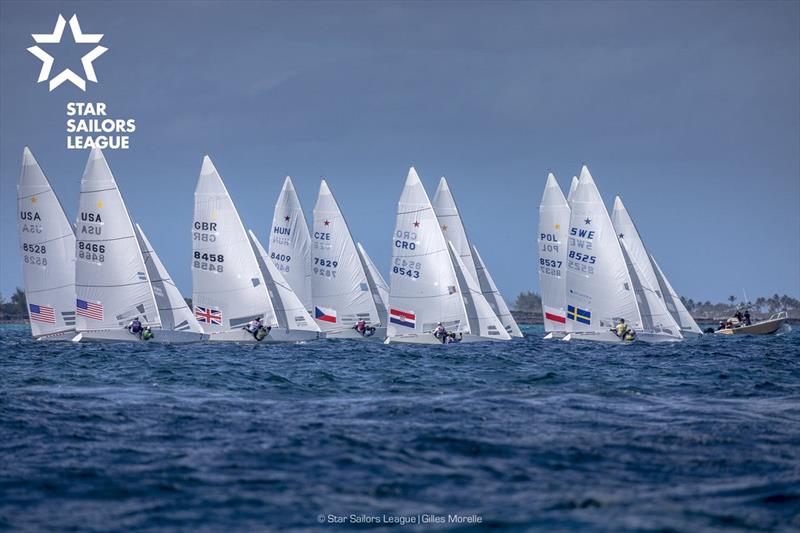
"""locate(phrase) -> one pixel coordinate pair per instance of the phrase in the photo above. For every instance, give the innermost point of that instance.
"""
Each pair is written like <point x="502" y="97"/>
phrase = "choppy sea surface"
<point x="529" y="435"/>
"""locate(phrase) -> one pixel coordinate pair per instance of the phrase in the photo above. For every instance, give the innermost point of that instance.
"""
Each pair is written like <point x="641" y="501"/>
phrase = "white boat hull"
<point x="555" y="335"/>
<point x="276" y="335"/>
<point x="430" y="339"/>
<point x="611" y="337"/>
<point x="160" y="336"/>
<point x="61" y="336"/>
<point x="350" y="333"/>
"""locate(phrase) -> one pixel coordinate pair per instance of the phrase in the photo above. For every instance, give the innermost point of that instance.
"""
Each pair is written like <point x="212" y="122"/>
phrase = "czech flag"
<point x="324" y="314"/>
<point x="403" y="318"/>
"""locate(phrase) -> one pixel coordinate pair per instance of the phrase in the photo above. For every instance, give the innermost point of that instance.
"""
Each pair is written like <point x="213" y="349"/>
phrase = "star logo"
<point x="327" y="222"/>
<point x="80" y="38"/>
<point x="444" y="228"/>
<point x="286" y="218"/>
<point x="587" y="221"/>
<point x="416" y="223"/>
<point x="557" y="226"/>
<point x="33" y="199"/>
<point x="621" y="235"/>
<point x="100" y="204"/>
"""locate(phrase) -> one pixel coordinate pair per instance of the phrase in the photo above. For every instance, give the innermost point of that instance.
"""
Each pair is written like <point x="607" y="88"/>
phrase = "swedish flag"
<point x="579" y="315"/>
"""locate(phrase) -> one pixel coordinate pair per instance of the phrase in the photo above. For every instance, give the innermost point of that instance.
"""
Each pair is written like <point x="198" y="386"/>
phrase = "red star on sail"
<point x="416" y="223"/>
<point x="327" y="222"/>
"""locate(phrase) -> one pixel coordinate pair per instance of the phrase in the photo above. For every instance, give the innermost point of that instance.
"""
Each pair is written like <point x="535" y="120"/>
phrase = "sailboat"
<point x="339" y="287"/>
<point x="377" y="285"/>
<point x="674" y="304"/>
<point x="47" y="245"/>
<point x="444" y="205"/>
<point x="228" y="287"/>
<point x="112" y="281"/>
<point x="554" y="218"/>
<point x="290" y="243"/>
<point x="424" y="279"/>
<point x="294" y="322"/>
<point x="600" y="290"/>
<point x="652" y="306"/>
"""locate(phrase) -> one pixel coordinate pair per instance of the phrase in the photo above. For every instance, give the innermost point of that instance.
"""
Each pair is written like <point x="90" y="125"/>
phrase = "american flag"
<point x="42" y="313"/>
<point x="89" y="309"/>
<point x="208" y="315"/>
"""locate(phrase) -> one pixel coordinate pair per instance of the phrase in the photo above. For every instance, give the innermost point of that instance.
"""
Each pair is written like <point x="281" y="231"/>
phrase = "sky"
<point x="689" y="110"/>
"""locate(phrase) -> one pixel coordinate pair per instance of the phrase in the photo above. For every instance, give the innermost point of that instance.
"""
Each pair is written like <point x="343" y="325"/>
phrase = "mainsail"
<point x="289" y="310"/>
<point x="554" y="219"/>
<point x="47" y="245"/>
<point x="290" y="243"/>
<point x="653" y="310"/>
<point x="572" y="186"/>
<point x="490" y="291"/>
<point x="228" y="289"/>
<point x="674" y="304"/>
<point x="599" y="287"/>
<point x="172" y="308"/>
<point x="339" y="287"/>
<point x="111" y="282"/>
<point x="483" y="322"/>
<point x="423" y="286"/>
<point x="444" y="205"/>
<point x="377" y="285"/>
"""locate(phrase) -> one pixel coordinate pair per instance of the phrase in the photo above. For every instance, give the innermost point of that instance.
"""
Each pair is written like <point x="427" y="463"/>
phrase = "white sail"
<point x="423" y="286"/>
<point x="290" y="243"/>
<point x="172" y="308"/>
<point x="554" y="219"/>
<point x="493" y="296"/>
<point x="599" y="287"/>
<point x="572" y="186"/>
<point x="289" y="310"/>
<point x="377" y="285"/>
<point x="339" y="287"/>
<point x="483" y="321"/>
<point x="47" y="246"/>
<point x="444" y="205"/>
<point x="674" y="304"/>
<point x="651" y="303"/>
<point x="111" y="282"/>
<point x="228" y="289"/>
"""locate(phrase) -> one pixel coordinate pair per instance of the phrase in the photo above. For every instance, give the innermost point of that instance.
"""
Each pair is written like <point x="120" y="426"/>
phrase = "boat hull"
<point x="379" y="335"/>
<point x="61" y="336"/>
<point x="611" y="338"/>
<point x="276" y="335"/>
<point x="766" y="327"/>
<point x="555" y="335"/>
<point x="160" y="336"/>
<point x="430" y="339"/>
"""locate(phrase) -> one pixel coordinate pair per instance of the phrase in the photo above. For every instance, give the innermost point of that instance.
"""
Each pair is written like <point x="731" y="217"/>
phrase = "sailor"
<point x="147" y="333"/>
<point x="135" y="327"/>
<point x="738" y="316"/>
<point x="439" y="332"/>
<point x="721" y="325"/>
<point x="451" y="338"/>
<point x="254" y="325"/>
<point x="630" y="335"/>
<point x="262" y="332"/>
<point x="621" y="328"/>
<point x="747" y="321"/>
<point x="361" y="326"/>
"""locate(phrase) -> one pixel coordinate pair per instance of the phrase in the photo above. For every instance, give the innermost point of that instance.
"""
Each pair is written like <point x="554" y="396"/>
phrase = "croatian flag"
<point x="403" y="318"/>
<point x="324" y="314"/>
<point x="208" y="315"/>
<point x="88" y="309"/>
<point x="42" y="313"/>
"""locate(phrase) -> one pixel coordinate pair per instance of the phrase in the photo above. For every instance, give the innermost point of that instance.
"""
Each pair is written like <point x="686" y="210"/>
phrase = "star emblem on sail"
<point x="79" y="38"/>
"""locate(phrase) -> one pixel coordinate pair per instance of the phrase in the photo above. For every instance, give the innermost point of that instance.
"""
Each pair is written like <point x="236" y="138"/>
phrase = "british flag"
<point x="42" y="313"/>
<point x="208" y="315"/>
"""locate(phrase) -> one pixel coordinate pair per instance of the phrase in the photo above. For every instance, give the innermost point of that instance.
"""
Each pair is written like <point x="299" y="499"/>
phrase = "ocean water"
<point x="529" y="435"/>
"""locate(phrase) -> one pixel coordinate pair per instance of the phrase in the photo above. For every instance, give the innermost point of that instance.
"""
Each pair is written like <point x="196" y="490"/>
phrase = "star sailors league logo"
<point x="80" y="38"/>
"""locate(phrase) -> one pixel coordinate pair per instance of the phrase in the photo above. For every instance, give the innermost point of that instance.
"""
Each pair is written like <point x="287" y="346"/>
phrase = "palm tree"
<point x="732" y="299"/>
